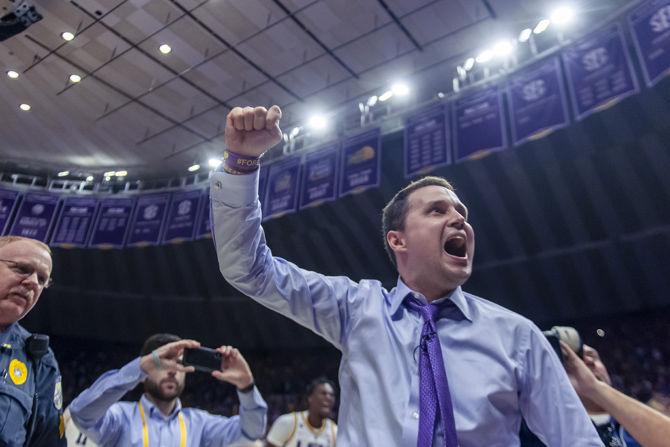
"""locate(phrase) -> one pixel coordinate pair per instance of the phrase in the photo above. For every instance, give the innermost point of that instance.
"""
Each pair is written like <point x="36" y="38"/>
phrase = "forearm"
<point x="253" y="414"/>
<point x="91" y="405"/>
<point x="648" y="426"/>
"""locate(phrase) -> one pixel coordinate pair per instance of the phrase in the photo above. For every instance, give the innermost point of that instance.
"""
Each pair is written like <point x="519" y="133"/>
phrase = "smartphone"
<point x="202" y="359"/>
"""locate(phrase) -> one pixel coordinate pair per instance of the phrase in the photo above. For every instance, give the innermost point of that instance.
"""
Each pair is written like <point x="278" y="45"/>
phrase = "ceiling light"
<point x="386" y="95"/>
<point x="194" y="167"/>
<point x="12" y="74"/>
<point x="318" y="122"/>
<point x="107" y="178"/>
<point x="562" y="15"/>
<point x="109" y="174"/>
<point x="484" y="57"/>
<point x="400" y="89"/>
<point x="25" y="107"/>
<point x="469" y="63"/>
<point x="67" y="36"/>
<point x="63" y="173"/>
<point x="525" y="35"/>
<point x="214" y="162"/>
<point x="372" y="100"/>
<point x="75" y="78"/>
<point x="503" y="48"/>
<point x="541" y="26"/>
<point x="165" y="49"/>
<point x="121" y="173"/>
<point x="89" y="178"/>
<point x="440" y="95"/>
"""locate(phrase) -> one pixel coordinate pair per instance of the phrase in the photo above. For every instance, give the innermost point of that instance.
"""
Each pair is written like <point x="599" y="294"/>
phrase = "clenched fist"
<point x="250" y="131"/>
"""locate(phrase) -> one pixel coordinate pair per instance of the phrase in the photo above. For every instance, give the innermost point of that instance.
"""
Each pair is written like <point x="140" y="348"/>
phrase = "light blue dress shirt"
<point x="98" y="414"/>
<point x="499" y="365"/>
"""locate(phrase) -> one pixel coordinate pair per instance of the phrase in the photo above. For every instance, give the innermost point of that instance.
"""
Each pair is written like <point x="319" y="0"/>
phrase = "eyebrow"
<point x="458" y="205"/>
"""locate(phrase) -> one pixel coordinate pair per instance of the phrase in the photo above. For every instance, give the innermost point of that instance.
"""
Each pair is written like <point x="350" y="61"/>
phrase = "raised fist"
<point x="251" y="131"/>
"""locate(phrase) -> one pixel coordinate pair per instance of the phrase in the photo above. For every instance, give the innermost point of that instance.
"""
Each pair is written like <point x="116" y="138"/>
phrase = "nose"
<point x="32" y="279"/>
<point x="456" y="219"/>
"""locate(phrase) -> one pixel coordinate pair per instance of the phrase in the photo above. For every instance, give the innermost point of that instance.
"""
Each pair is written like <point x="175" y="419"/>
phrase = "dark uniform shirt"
<point x="21" y="382"/>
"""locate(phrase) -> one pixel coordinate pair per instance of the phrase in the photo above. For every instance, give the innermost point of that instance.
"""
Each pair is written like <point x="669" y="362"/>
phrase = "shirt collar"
<point x="402" y="290"/>
<point x="153" y="411"/>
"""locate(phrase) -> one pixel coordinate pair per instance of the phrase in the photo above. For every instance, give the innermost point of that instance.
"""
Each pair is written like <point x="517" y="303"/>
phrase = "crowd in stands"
<point x="634" y="348"/>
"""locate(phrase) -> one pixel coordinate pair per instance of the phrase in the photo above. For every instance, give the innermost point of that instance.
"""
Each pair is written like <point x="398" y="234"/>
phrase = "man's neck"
<point x="315" y="420"/>
<point x="165" y="407"/>
<point x="431" y="293"/>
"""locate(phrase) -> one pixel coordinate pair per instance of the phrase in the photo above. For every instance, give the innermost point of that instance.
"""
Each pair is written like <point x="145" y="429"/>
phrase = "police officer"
<point x="31" y="399"/>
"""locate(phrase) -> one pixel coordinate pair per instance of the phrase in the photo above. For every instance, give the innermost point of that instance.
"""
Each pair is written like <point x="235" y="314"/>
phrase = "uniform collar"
<point x="457" y="297"/>
<point x="154" y="412"/>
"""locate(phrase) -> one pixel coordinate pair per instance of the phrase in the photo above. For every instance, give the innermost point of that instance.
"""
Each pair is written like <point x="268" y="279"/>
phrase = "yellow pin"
<point x="18" y="372"/>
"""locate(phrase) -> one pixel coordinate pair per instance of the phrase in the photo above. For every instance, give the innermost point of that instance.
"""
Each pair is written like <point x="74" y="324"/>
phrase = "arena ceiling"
<point x="153" y="114"/>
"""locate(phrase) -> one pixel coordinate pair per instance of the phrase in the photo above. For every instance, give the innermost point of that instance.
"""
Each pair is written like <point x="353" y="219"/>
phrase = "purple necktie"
<point x="434" y="397"/>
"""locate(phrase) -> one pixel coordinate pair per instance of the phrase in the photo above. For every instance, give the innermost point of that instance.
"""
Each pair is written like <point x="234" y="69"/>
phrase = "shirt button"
<point x="415" y="415"/>
<point x="218" y="184"/>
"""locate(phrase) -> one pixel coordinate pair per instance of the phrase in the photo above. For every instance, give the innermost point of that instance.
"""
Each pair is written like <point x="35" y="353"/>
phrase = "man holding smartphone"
<point x="158" y="418"/>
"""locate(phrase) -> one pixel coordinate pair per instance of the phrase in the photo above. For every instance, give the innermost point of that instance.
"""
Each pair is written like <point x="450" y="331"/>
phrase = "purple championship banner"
<point x="148" y="220"/>
<point x="650" y="27"/>
<point x="360" y="164"/>
<point x="537" y="101"/>
<point x="74" y="222"/>
<point x="182" y="216"/>
<point x="8" y="201"/>
<point x="111" y="223"/>
<point x="479" y="123"/>
<point x="204" y="223"/>
<point x="599" y="71"/>
<point x="282" y="188"/>
<point x="35" y="216"/>
<point x="426" y="140"/>
<point x="319" y="176"/>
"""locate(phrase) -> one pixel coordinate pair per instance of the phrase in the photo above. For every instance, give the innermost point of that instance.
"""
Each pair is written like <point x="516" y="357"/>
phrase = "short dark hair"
<point x="316" y="382"/>
<point x="395" y="212"/>
<point x="156" y="341"/>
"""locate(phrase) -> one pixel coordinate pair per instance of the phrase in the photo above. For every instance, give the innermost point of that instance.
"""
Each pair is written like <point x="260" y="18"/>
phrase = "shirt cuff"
<point x="251" y="400"/>
<point x="235" y="191"/>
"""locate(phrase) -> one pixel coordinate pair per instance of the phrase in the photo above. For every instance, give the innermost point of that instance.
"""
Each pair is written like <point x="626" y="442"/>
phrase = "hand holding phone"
<point x="203" y="359"/>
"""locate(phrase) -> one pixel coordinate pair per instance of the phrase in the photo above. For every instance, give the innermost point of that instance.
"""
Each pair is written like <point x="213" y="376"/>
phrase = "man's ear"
<point x="396" y="240"/>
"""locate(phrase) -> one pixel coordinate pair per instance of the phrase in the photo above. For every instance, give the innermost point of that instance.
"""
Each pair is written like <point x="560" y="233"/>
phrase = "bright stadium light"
<point x="372" y="100"/>
<point x="67" y="36"/>
<point x="524" y="35"/>
<point x="89" y="178"/>
<point x="400" y="89"/>
<point x="541" y="26"/>
<point x="63" y="173"/>
<point x="214" y="163"/>
<point x="503" y="48"/>
<point x="318" y="122"/>
<point x="109" y="174"/>
<point x="74" y="78"/>
<point x="469" y="63"/>
<point x="194" y="167"/>
<point x="562" y="15"/>
<point x="165" y="49"/>
<point x="12" y="74"/>
<point x="386" y="96"/>
<point x="121" y="173"/>
<point x="294" y="132"/>
<point x="484" y="57"/>
<point x="25" y="107"/>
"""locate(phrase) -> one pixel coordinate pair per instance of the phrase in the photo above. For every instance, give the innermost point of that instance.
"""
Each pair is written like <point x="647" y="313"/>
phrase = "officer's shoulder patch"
<point x="58" y="395"/>
<point x="18" y="372"/>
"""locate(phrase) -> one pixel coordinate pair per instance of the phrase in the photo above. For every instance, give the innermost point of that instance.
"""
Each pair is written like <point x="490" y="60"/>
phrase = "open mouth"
<point x="455" y="246"/>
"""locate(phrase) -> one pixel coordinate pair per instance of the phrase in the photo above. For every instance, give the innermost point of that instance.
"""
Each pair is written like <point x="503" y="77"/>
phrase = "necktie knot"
<point x="428" y="311"/>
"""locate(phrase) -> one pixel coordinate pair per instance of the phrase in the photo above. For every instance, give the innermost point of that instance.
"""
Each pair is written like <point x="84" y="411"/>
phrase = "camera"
<point x="568" y="335"/>
<point x="23" y="15"/>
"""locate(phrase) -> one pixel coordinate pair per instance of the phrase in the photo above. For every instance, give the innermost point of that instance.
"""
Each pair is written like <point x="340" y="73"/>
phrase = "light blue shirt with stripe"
<point x="99" y="415"/>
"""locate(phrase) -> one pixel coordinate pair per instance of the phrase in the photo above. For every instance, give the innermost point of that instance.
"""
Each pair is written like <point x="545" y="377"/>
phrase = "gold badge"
<point x="18" y="372"/>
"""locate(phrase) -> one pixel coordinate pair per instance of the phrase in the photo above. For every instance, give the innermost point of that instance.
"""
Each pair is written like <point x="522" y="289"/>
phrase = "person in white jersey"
<point x="312" y="427"/>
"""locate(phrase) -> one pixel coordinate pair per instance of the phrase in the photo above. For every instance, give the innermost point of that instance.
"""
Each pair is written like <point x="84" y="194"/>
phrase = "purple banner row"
<point x="597" y="70"/>
<point x="75" y="221"/>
